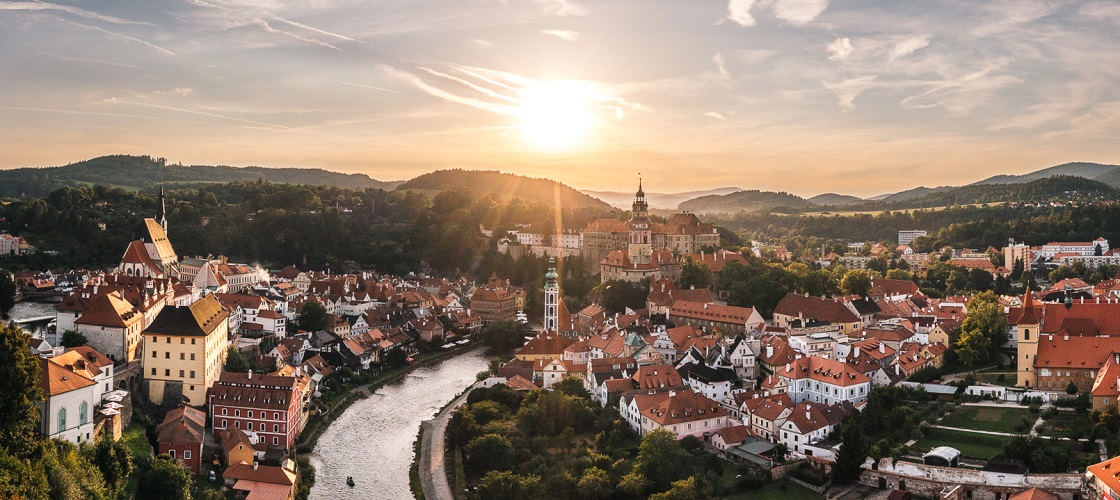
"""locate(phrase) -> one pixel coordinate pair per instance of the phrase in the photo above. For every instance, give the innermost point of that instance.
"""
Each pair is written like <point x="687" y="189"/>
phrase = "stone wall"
<point x="931" y="481"/>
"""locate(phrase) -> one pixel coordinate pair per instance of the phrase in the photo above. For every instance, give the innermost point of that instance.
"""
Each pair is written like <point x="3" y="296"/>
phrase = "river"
<point x="27" y="309"/>
<point x="372" y="440"/>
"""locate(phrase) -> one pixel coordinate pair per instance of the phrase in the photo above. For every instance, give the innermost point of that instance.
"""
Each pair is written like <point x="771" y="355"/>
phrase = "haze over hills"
<point x="663" y="201"/>
<point x="1076" y="169"/>
<point x="751" y="201"/>
<point x="141" y="172"/>
<point x="835" y="200"/>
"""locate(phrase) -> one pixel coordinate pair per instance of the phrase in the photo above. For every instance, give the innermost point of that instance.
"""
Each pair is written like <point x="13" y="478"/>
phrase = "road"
<point x="433" y="467"/>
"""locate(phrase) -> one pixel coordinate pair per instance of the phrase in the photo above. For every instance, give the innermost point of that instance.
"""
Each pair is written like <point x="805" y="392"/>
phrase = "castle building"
<point x="640" y="248"/>
<point x="1064" y="342"/>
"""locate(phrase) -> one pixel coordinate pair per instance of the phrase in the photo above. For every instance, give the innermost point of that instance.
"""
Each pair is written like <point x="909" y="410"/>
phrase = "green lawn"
<point x="137" y="442"/>
<point x="1009" y="378"/>
<point x="781" y="490"/>
<point x="972" y="445"/>
<point x="986" y="418"/>
<point x="1064" y="423"/>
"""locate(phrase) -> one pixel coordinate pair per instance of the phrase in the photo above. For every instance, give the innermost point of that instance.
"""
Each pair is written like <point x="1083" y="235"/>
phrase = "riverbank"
<point x="432" y="466"/>
<point x="337" y="407"/>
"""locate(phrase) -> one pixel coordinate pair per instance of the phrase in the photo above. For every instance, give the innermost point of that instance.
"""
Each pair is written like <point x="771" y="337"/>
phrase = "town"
<point x="872" y="381"/>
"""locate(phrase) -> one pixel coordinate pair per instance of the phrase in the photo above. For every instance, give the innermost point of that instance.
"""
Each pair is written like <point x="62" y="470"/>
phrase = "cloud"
<point x="179" y="91"/>
<point x="118" y="35"/>
<point x="840" y="49"/>
<point x="909" y="46"/>
<point x="739" y="11"/>
<point x="39" y="6"/>
<point x="415" y="81"/>
<point x="569" y="36"/>
<point x="1101" y="11"/>
<point x="482" y="43"/>
<point x="371" y="87"/>
<point x="713" y="114"/>
<point x="799" y="12"/>
<point x="562" y="8"/>
<point x="847" y="90"/>
<point x="721" y="64"/>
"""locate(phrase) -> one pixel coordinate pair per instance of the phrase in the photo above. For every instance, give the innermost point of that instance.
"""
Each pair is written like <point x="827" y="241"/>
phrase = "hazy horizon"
<point x="803" y="96"/>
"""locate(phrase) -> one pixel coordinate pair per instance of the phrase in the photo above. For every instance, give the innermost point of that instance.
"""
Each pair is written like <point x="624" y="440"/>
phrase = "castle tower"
<point x="551" y="298"/>
<point x="640" y="248"/>
<point x="1028" y="325"/>
<point x="161" y="215"/>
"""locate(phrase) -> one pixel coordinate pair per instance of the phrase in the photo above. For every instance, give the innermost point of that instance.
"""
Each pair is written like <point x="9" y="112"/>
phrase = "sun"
<point x="556" y="115"/>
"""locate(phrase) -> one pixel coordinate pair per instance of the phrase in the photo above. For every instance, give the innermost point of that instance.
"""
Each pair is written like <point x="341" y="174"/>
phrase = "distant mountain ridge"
<point x="663" y="201"/>
<point x="835" y="200"/>
<point x="1075" y="169"/>
<point x="493" y="181"/>
<point x="750" y="200"/>
<point x="141" y="172"/>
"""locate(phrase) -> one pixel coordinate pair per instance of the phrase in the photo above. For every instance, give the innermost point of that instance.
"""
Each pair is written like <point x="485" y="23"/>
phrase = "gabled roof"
<point x="815" y="308"/>
<point x="711" y="312"/>
<point x="199" y="319"/>
<point x="55" y="379"/>
<point x="158" y="237"/>
<point x="1107" y="472"/>
<point x="182" y="425"/>
<point x="828" y="371"/>
<point x="1086" y="353"/>
<point x="111" y="311"/>
<point x="136" y="253"/>
<point x="684" y="406"/>
<point x="733" y="435"/>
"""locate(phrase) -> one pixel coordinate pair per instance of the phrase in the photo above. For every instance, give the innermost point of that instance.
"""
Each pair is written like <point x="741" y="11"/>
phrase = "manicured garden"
<point x="971" y="444"/>
<point x="986" y="418"/>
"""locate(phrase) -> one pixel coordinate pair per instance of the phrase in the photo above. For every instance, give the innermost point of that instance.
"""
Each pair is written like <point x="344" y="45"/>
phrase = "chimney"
<point x="255" y="464"/>
<point x="882" y="348"/>
<point x="857" y="352"/>
<point x="788" y="368"/>
<point x="250" y="374"/>
<point x="808" y="416"/>
<point x="769" y="351"/>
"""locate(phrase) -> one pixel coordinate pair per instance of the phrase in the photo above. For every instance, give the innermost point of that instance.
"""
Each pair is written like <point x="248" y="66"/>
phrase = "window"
<point x="83" y="413"/>
<point x="192" y="356"/>
<point x="153" y="354"/>
<point x="237" y="413"/>
<point x="167" y="355"/>
<point x="192" y="373"/>
<point x="167" y="372"/>
<point x="250" y="414"/>
<point x="224" y="411"/>
<point x="153" y="371"/>
<point x="180" y="373"/>
<point x="186" y="454"/>
<point x="275" y="416"/>
<point x="182" y="341"/>
<point x="192" y="341"/>
<point x="249" y="426"/>
<point x="275" y="428"/>
<point x="62" y="419"/>
<point x="182" y="356"/>
<point x="275" y="440"/>
<point x="168" y="340"/>
<point x="172" y="453"/>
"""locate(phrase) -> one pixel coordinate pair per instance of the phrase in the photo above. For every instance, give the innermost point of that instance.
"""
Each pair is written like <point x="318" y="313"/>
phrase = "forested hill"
<point x="507" y="185"/>
<point x="1060" y="188"/>
<point x="140" y="172"/>
<point x="750" y="201"/>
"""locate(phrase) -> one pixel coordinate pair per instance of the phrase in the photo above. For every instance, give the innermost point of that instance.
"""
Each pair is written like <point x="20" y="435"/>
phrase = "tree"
<point x="237" y="361"/>
<point x="594" y="484"/>
<point x="73" y="338"/>
<point x="503" y="336"/>
<point x="984" y="329"/>
<point x="661" y="460"/>
<point x="900" y="274"/>
<point x="396" y="357"/>
<point x="615" y="296"/>
<point x="489" y="452"/>
<point x="114" y="460"/>
<point x="694" y="274"/>
<point x="313" y="317"/>
<point x="693" y="488"/>
<point x="1071" y="388"/>
<point x="70" y="474"/>
<point x="7" y="292"/>
<point x="164" y="478"/>
<point x="857" y="282"/>
<point x="19" y="394"/>
<point x="852" y="454"/>
<point x="501" y="485"/>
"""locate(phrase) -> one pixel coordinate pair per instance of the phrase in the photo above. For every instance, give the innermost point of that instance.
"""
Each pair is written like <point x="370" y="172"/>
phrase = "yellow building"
<point x="184" y="350"/>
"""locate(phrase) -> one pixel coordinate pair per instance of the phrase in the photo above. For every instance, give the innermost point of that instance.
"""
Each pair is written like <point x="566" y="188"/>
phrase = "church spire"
<point x="161" y="215"/>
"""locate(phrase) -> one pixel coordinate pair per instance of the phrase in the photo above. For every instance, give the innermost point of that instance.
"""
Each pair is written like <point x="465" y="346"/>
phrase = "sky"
<point x="805" y="96"/>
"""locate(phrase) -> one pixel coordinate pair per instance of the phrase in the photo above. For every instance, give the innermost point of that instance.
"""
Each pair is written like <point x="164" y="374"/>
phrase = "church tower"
<point x="161" y="215"/>
<point x="1029" y="329"/>
<point x="641" y="234"/>
<point x="551" y="299"/>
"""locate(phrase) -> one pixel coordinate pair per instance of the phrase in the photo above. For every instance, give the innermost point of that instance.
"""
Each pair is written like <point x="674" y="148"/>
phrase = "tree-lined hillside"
<point x="506" y="185"/>
<point x="140" y="172"/>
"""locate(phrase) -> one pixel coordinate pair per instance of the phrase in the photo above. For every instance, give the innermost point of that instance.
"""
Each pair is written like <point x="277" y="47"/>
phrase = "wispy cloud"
<point x="566" y="35"/>
<point x="563" y="8"/>
<point x="89" y="60"/>
<point x="716" y="115"/>
<point x="118" y="35"/>
<point x="739" y="12"/>
<point x="840" y="49"/>
<point x="799" y="12"/>
<point x="45" y="6"/>
<point x="371" y="87"/>
<point x="415" y="81"/>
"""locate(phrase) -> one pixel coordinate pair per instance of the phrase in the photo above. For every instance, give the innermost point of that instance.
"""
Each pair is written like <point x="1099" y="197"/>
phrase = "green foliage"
<point x="748" y="200"/>
<point x="982" y="331"/>
<point x="7" y="292"/>
<point x="503" y="336"/>
<point x="615" y="296"/>
<point x="692" y="488"/>
<point x="661" y="460"/>
<point x="114" y="460"/>
<point x="238" y="361"/>
<point x="164" y="478"/>
<point x="19" y="414"/>
<point x="1071" y="388"/>
<point x="594" y="484"/>
<point x="22" y="479"/>
<point x="853" y="452"/>
<point x="501" y="485"/>
<point x="395" y="358"/>
<point x="547" y="413"/>
<point x="857" y="282"/>
<point x="694" y="274"/>
<point x="313" y="317"/>
<point x="73" y="338"/>
<point x="489" y="452"/>
<point x="71" y="475"/>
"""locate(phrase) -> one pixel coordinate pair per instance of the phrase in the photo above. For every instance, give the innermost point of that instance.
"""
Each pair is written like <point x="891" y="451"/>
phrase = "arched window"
<point x="62" y="419"/>
<point x="1026" y="334"/>
<point x="83" y="413"/>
